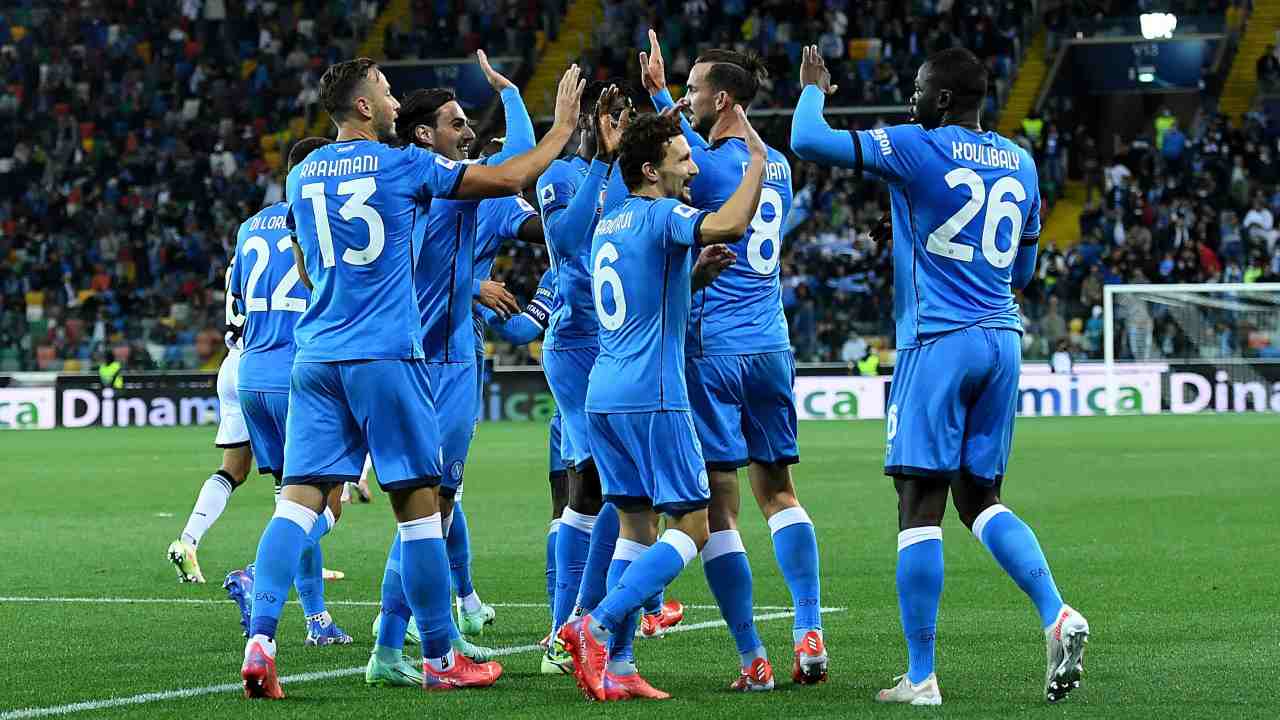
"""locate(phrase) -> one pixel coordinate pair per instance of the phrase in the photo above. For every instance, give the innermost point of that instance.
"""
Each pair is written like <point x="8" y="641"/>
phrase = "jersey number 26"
<point x="998" y="210"/>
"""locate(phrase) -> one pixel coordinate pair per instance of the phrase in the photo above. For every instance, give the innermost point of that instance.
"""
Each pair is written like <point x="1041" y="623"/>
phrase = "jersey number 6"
<point x="602" y="275"/>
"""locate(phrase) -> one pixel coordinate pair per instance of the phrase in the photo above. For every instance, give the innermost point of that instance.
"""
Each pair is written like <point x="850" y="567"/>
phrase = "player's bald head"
<point x="949" y="84"/>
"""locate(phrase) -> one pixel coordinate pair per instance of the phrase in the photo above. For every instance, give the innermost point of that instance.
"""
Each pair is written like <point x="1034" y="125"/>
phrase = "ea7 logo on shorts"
<point x="548" y="195"/>
<point x="524" y="204"/>
<point x="892" y="420"/>
<point x="446" y="162"/>
<point x="685" y="211"/>
<point x="455" y="470"/>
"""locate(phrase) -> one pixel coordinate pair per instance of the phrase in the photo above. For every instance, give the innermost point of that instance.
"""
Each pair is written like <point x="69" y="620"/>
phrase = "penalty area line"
<point x="183" y="693"/>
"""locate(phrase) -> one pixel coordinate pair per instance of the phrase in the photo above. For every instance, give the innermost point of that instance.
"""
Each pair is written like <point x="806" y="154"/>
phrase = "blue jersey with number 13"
<point x="962" y="201"/>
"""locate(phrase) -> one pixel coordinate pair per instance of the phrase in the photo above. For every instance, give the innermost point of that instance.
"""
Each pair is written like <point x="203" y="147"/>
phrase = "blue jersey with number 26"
<point x="642" y="255"/>
<point x="357" y="207"/>
<point x="962" y="201"/>
<point x="265" y="279"/>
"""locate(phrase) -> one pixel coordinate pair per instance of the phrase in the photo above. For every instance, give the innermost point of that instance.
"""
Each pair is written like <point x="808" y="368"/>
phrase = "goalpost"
<point x="1221" y="343"/>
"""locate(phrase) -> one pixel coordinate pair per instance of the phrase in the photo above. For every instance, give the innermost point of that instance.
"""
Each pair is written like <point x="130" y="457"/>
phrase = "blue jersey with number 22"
<point x="962" y="201"/>
<point x="265" y="279"/>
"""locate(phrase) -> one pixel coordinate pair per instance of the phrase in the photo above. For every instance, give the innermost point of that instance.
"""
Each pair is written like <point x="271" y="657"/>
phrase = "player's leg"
<point x="394" y="406"/>
<point x="558" y="479"/>
<point x="309" y="582"/>
<point x="924" y="426"/>
<point x="770" y="430"/>
<point x="976" y="493"/>
<point x="237" y="460"/>
<point x="645" y="458"/>
<point x="596" y="569"/>
<point x="388" y="665"/>
<point x="716" y="396"/>
<point x="325" y="446"/>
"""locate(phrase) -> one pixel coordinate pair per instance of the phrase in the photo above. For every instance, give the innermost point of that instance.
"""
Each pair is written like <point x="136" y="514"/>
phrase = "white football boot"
<point x="1064" y="653"/>
<point x="925" y="692"/>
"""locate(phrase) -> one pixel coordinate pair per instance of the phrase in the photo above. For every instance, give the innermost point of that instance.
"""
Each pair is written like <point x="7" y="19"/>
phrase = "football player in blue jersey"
<point x="642" y="433"/>
<point x="360" y="383"/>
<point x="966" y="227"/>
<point x="434" y="120"/>
<point x="266" y="280"/>
<point x="741" y="371"/>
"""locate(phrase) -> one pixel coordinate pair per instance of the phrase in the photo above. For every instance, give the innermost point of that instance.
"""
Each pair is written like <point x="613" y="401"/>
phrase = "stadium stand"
<point x="114" y="217"/>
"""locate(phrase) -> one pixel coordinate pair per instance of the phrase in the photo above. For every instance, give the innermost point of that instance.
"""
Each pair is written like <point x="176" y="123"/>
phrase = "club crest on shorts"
<point x="455" y="470"/>
<point x="704" y="483"/>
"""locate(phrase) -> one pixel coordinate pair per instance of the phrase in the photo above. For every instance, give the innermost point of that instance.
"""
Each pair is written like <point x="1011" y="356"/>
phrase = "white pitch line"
<point x="337" y="603"/>
<point x="183" y="693"/>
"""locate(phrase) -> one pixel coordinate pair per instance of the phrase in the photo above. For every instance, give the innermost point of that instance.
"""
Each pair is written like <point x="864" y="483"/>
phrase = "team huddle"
<point x="359" y="306"/>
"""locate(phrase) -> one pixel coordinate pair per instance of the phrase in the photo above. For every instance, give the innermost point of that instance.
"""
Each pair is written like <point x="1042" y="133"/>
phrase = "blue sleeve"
<point x="555" y="189"/>
<point x="567" y="228"/>
<point x="520" y="138"/>
<point x="662" y="101"/>
<point x="617" y="189"/>
<point x="683" y="224"/>
<point x="528" y="325"/>
<point x="1031" y="228"/>
<point x="813" y="139"/>
<point x="475" y="288"/>
<point x="1024" y="265"/>
<point x="432" y="175"/>
<point x="892" y="153"/>
<point x="514" y="214"/>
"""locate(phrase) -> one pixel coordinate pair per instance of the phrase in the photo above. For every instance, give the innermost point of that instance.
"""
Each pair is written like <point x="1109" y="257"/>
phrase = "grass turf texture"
<point x="1158" y="528"/>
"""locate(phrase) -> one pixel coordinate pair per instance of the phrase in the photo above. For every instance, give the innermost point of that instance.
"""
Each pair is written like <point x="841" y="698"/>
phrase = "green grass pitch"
<point x="1162" y="530"/>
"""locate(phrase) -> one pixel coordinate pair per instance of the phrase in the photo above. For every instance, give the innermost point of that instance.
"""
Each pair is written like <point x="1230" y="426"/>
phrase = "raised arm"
<point x="568" y="227"/>
<point x="811" y="137"/>
<point x="520" y="137"/>
<point x="653" y="76"/>
<point x="512" y="176"/>
<point x="730" y="222"/>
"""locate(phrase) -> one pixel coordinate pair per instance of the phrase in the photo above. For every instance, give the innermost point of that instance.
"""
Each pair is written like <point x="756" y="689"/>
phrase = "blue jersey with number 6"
<point x="741" y="312"/>
<point x="962" y="201"/>
<point x="642" y="255"/>
<point x="357" y="207"/>
<point x="265" y="279"/>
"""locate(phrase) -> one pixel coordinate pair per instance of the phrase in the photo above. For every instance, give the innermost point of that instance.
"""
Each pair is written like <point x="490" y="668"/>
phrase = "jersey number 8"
<point x="766" y="230"/>
<point x="998" y="210"/>
<point x="360" y="190"/>
<point x="602" y="275"/>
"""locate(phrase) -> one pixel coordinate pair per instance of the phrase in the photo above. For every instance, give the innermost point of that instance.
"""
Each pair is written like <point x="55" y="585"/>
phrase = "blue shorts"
<point x="650" y="458"/>
<point x="453" y="388"/>
<point x="744" y="407"/>
<point x="567" y="372"/>
<point x="952" y="404"/>
<point x="555" y="464"/>
<point x="264" y="415"/>
<point x="341" y="411"/>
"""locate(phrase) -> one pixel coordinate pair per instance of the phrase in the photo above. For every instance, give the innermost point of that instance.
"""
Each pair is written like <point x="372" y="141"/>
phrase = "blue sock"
<point x="648" y="574"/>
<point x="795" y="546"/>
<point x="277" y="560"/>
<point x="395" y="607"/>
<point x="573" y="543"/>
<point x="653" y="605"/>
<point x="309" y="580"/>
<point x="919" y="590"/>
<point x="597" y="573"/>
<point x="551" y="567"/>
<point x="724" y="561"/>
<point x="425" y="572"/>
<point x="620" y="644"/>
<point x="458" y="541"/>
<point x="1015" y="547"/>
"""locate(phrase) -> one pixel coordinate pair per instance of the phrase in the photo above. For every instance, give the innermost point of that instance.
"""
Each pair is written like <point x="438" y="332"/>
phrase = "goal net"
<point x="1220" y="344"/>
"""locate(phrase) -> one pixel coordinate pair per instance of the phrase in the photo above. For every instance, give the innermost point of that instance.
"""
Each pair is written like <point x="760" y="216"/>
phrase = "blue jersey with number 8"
<point x="741" y="312"/>
<point x="356" y="207"/>
<point x="962" y="201"/>
<point x="642" y="255"/>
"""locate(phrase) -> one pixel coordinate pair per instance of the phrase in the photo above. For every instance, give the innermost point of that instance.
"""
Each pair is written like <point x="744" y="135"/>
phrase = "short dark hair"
<point x="645" y="141"/>
<point x="421" y="107"/>
<point x="961" y="72"/>
<point x="303" y="148"/>
<point x="738" y="74"/>
<point x="339" y="83"/>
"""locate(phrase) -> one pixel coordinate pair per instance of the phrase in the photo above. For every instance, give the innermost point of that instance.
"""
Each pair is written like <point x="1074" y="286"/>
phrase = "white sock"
<point x="268" y="645"/>
<point x="368" y="465"/>
<point x="441" y="664"/>
<point x="470" y="603"/>
<point x="210" y="503"/>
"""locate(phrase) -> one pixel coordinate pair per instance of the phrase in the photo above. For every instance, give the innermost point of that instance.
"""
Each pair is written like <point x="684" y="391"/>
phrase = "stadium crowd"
<point x="119" y="194"/>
